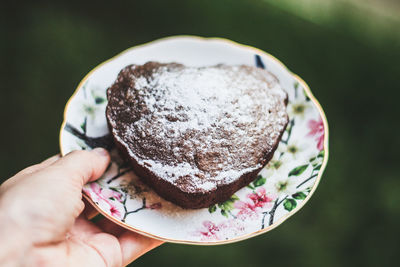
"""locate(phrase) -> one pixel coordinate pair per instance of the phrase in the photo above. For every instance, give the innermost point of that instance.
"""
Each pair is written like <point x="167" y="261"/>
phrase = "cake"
<point x="196" y="135"/>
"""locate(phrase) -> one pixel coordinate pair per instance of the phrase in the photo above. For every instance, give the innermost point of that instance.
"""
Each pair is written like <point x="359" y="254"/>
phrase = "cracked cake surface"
<point x="196" y="134"/>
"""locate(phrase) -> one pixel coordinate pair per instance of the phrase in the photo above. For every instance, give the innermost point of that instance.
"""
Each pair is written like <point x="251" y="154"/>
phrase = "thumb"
<point x="84" y="166"/>
<point x="48" y="201"/>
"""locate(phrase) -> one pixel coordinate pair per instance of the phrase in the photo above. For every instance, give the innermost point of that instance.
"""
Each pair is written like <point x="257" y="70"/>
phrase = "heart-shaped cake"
<point x="196" y="135"/>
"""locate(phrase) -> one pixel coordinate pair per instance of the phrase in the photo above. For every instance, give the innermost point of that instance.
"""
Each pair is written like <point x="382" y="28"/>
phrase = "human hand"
<point x="42" y="222"/>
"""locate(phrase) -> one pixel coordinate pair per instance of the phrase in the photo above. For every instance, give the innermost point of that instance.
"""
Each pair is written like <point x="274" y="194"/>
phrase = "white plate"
<point x="280" y="190"/>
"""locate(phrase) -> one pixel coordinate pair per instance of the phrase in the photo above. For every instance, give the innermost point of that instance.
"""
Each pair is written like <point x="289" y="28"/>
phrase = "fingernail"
<point x="101" y="151"/>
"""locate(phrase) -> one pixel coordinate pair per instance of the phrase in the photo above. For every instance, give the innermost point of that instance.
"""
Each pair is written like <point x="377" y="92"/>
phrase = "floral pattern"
<point x="277" y="187"/>
<point x="210" y="231"/>
<point x="278" y="190"/>
<point x="251" y="207"/>
<point x="317" y="130"/>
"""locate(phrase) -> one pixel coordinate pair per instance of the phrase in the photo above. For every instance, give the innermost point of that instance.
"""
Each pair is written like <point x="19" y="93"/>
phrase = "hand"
<point x="42" y="222"/>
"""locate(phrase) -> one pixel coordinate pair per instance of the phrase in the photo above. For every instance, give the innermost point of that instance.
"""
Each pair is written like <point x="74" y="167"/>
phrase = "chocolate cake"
<point x="196" y="135"/>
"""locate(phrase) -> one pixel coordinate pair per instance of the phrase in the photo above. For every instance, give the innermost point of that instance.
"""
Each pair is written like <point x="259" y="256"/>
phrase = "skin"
<point x="43" y="219"/>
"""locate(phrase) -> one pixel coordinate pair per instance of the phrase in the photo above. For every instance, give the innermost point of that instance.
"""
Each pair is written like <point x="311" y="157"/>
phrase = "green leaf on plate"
<point x="299" y="195"/>
<point x="113" y="188"/>
<point x="321" y="154"/>
<point x="317" y="168"/>
<point x="289" y="204"/>
<point x="227" y="205"/>
<point x="224" y="213"/>
<point x="89" y="109"/>
<point x="83" y="125"/>
<point x="212" y="209"/>
<point x="234" y="197"/>
<point x="259" y="181"/>
<point x="298" y="170"/>
<point x="99" y="100"/>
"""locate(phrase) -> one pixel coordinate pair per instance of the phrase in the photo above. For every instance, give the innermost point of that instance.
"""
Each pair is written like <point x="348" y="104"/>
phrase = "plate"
<point x="279" y="190"/>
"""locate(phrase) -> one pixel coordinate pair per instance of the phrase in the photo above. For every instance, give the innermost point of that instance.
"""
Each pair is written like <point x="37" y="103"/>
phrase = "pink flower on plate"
<point x="103" y="194"/>
<point x="316" y="127"/>
<point x="109" y="193"/>
<point x="254" y="204"/>
<point x="114" y="211"/>
<point x="210" y="230"/>
<point x="94" y="192"/>
<point x="317" y="130"/>
<point x="259" y="197"/>
<point x="320" y="144"/>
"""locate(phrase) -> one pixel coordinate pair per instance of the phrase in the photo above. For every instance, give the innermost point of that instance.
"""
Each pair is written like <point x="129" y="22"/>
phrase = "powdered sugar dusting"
<point x="201" y="127"/>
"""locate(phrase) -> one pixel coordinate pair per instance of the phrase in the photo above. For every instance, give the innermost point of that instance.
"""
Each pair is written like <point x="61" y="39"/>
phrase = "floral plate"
<point x="279" y="190"/>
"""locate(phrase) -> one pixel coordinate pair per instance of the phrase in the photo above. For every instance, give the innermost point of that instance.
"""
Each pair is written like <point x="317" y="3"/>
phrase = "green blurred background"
<point x="347" y="51"/>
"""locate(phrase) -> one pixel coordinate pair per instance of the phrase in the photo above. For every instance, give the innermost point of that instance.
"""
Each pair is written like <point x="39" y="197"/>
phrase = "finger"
<point x="83" y="228"/>
<point x="29" y="170"/>
<point x="40" y="166"/>
<point x="123" y="250"/>
<point x="77" y="251"/>
<point x="109" y="227"/>
<point x="50" y="160"/>
<point x="106" y="247"/>
<point x="84" y="166"/>
<point x="89" y="212"/>
<point x="116" y="246"/>
<point x="134" y="245"/>
<point x="128" y="238"/>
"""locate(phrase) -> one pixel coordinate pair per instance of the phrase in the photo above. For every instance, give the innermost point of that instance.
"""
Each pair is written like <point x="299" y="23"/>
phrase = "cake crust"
<point x="196" y="135"/>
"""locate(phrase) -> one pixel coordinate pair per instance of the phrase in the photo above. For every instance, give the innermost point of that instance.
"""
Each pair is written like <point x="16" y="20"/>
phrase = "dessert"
<point x="196" y="135"/>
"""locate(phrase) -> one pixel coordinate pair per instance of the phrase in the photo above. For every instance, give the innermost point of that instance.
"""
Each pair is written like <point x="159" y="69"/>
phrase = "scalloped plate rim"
<point x="242" y="46"/>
